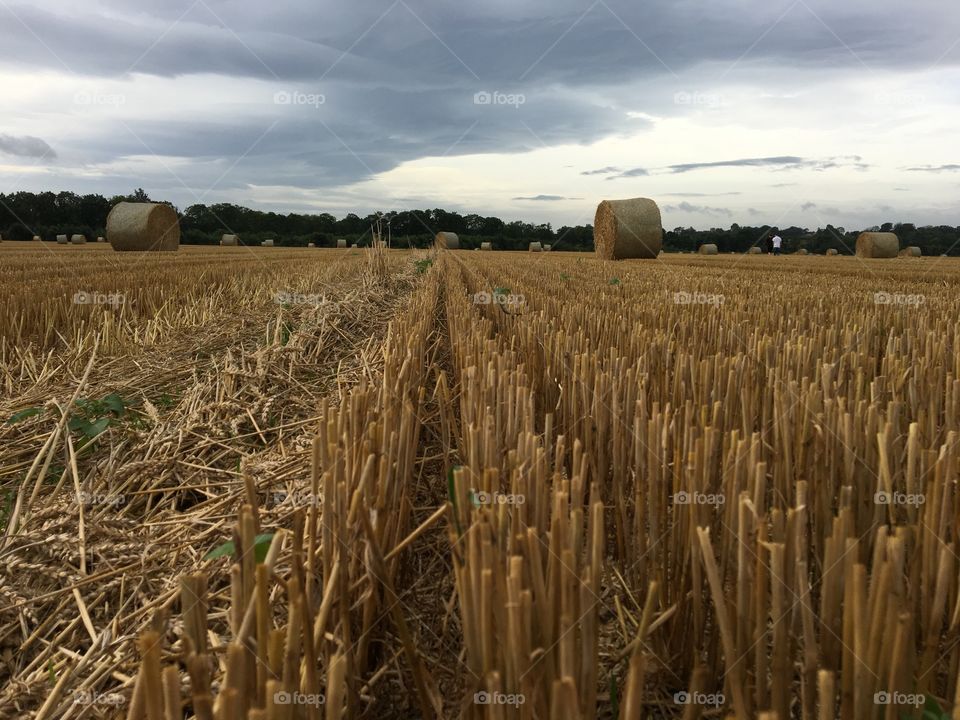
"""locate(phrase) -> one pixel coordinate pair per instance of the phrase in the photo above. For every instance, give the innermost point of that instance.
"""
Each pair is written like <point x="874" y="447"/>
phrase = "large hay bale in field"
<point x="100" y="238"/>
<point x="313" y="245"/>
<point x="267" y="243"/>
<point x="708" y="249"/>
<point x="341" y="243"/>
<point x="627" y="229"/>
<point x="877" y="245"/>
<point x="78" y="239"/>
<point x="62" y="239"/>
<point x="832" y="251"/>
<point x="535" y="247"/>
<point x="802" y="251"/>
<point x="754" y="251"/>
<point x="143" y="227"/>
<point x="547" y="248"/>
<point x="36" y="238"/>
<point x="911" y="251"/>
<point x="486" y="246"/>
<point x="448" y="240"/>
<point x="229" y="240"/>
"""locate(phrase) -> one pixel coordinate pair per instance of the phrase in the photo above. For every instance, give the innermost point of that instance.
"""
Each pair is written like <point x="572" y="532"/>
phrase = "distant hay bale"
<point x="911" y="251"/>
<point x="267" y="243"/>
<point x="486" y="246"/>
<point x="802" y="251"/>
<point x="448" y="240"/>
<point x="36" y="238"/>
<point x="341" y="243"/>
<point x="547" y="248"/>
<point x="313" y="245"/>
<point x="627" y="229"/>
<point x="62" y="239"/>
<point x="535" y="247"/>
<point x="101" y="238"/>
<point x="143" y="227"/>
<point x="78" y="239"/>
<point x="229" y="240"/>
<point x="832" y="251"/>
<point x="708" y="249"/>
<point x="877" y="245"/>
<point x="355" y="245"/>
<point x="754" y="251"/>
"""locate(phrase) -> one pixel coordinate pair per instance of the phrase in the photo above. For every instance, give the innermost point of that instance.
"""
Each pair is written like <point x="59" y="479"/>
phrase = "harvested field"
<point x="452" y="492"/>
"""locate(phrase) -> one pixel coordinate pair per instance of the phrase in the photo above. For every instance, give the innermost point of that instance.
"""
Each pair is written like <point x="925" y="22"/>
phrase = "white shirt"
<point x="777" y="241"/>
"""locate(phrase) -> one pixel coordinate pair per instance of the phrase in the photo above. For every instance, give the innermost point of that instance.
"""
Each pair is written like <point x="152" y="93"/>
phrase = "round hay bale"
<point x="100" y="238"/>
<point x="36" y="238"/>
<point x="627" y="229"/>
<point x="708" y="249"/>
<point x="355" y="245"/>
<point x="313" y="245"/>
<point x="877" y="245"/>
<point x="832" y="251"/>
<point x="143" y="227"/>
<point x="267" y="243"/>
<point x="547" y="248"/>
<point x="341" y="243"/>
<point x="754" y="251"/>
<point x="911" y="251"/>
<point x="535" y="247"/>
<point x="62" y="240"/>
<point x="229" y="240"/>
<point x="78" y="239"/>
<point x="802" y="251"/>
<point x="486" y="246"/>
<point x="448" y="240"/>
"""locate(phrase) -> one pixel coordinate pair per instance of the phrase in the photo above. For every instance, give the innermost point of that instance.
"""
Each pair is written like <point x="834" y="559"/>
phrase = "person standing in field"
<point x="777" y="242"/>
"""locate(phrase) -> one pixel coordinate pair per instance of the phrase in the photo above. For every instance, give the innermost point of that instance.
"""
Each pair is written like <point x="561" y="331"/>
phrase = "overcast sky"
<point x="801" y="112"/>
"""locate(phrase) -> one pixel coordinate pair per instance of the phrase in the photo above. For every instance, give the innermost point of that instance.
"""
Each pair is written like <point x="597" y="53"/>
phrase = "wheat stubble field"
<point x="279" y="483"/>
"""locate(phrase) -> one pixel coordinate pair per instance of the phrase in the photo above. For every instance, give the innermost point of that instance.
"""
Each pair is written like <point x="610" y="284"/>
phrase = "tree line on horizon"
<point x="48" y="214"/>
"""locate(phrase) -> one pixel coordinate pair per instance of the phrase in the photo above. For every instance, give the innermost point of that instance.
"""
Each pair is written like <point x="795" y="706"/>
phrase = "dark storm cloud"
<point x="25" y="146"/>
